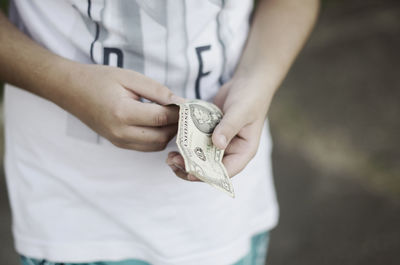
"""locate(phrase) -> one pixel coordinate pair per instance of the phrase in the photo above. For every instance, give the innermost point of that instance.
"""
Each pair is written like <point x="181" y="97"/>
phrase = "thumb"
<point x="229" y="127"/>
<point x="220" y="97"/>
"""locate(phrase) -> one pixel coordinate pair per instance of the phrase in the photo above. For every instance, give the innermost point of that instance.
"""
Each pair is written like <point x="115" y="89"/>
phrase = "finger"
<point x="235" y="163"/>
<point x="145" y="138"/>
<point x="148" y="88"/>
<point x="138" y="147"/>
<point x="242" y="149"/>
<point x="174" y="158"/>
<point x="149" y="114"/>
<point x="176" y="163"/>
<point x="236" y="145"/>
<point x="179" y="172"/>
<point x="230" y="125"/>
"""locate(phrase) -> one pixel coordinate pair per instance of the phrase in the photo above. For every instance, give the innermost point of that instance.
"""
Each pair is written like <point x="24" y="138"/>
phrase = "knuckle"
<point x="161" y="143"/>
<point x="164" y="138"/>
<point x="163" y="91"/>
<point x="230" y="126"/>
<point x="160" y="118"/>
<point x="169" y="94"/>
<point x="119" y="114"/>
<point x="118" y="144"/>
<point x="226" y="127"/>
<point x="116" y="135"/>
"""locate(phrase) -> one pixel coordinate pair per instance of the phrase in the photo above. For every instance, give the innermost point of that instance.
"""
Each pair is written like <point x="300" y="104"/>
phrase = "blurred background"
<point x="336" y="128"/>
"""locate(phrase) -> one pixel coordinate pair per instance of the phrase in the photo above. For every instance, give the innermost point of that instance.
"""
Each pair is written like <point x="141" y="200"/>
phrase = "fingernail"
<point x="174" y="168"/>
<point x="222" y="140"/>
<point x="178" y="167"/>
<point x="175" y="160"/>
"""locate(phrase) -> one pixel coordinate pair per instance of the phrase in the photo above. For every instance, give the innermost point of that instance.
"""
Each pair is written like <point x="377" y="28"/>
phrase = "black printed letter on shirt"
<point x="201" y="74"/>
<point x="117" y="52"/>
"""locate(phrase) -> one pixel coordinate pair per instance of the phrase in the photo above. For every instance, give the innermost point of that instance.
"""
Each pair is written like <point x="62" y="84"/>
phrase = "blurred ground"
<point x="337" y="143"/>
<point x="336" y="129"/>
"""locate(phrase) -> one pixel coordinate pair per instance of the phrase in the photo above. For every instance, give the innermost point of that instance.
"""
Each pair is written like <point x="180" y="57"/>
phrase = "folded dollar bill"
<point x="197" y="120"/>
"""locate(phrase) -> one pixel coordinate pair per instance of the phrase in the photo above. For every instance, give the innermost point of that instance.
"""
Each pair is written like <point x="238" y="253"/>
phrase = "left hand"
<point x="244" y="103"/>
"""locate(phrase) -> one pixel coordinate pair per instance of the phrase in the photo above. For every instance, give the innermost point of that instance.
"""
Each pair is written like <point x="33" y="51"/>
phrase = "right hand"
<point x="107" y="99"/>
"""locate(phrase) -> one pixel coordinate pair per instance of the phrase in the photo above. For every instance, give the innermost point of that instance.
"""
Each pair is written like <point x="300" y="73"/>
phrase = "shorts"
<point x="256" y="256"/>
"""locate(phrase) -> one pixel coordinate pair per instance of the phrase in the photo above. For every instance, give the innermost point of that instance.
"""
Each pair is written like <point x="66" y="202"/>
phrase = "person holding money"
<point x="89" y="117"/>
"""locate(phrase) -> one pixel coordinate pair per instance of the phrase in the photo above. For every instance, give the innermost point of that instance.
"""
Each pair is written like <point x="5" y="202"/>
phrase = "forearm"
<point x="278" y="32"/>
<point x="29" y="66"/>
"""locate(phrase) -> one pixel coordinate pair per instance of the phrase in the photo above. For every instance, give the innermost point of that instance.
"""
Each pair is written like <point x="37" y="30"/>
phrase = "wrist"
<point x="61" y="81"/>
<point x="47" y="79"/>
<point x="64" y="78"/>
<point x="256" y="88"/>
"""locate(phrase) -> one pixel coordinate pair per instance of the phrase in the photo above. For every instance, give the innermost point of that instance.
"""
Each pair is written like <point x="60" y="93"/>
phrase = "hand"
<point x="107" y="100"/>
<point x="244" y="103"/>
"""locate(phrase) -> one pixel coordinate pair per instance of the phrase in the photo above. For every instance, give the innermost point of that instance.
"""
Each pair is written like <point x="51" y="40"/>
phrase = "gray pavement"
<point x="330" y="219"/>
<point x="336" y="132"/>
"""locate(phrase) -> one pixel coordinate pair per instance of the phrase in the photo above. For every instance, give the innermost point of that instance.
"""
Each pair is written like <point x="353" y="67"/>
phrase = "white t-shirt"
<point x="77" y="198"/>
